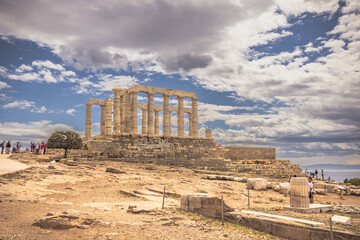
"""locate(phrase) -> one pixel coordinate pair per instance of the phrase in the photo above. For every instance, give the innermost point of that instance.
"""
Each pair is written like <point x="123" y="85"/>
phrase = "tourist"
<point x="329" y="178"/>
<point x="31" y="149"/>
<point x="322" y="173"/>
<point x="13" y="148"/>
<point x="312" y="174"/>
<point x="346" y="180"/>
<point x="2" y="145"/>
<point x="306" y="172"/>
<point x="18" y="147"/>
<point x="310" y="190"/>
<point x="37" y="148"/>
<point x="42" y="147"/>
<point x="316" y="173"/>
<point x="8" y="146"/>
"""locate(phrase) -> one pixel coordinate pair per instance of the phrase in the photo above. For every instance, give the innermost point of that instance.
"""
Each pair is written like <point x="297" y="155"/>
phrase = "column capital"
<point x="194" y="98"/>
<point x="133" y="92"/>
<point x="88" y="104"/>
<point x="180" y="97"/>
<point x="166" y="95"/>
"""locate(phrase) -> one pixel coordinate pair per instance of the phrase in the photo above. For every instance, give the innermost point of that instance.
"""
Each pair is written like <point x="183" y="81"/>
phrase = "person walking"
<point x="42" y="147"/>
<point x="8" y="146"/>
<point x="311" y="190"/>
<point x="37" y="148"/>
<point x="322" y="173"/>
<point x="2" y="145"/>
<point x="316" y="173"/>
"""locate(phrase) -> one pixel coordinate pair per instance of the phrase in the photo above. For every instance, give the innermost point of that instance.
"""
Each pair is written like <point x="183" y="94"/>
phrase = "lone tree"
<point x="64" y="139"/>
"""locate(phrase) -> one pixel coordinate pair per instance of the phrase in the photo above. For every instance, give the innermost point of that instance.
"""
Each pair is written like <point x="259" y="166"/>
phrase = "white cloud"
<point x="40" y="71"/>
<point x="71" y="111"/>
<point x="47" y="64"/>
<point x="105" y="82"/>
<point x="23" y="68"/>
<point x="21" y="104"/>
<point x="30" y="131"/>
<point x="4" y="85"/>
<point x="39" y="110"/>
<point x="24" y="104"/>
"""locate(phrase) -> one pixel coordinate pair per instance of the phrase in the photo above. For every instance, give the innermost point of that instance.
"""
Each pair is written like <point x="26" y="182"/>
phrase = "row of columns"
<point x="120" y="116"/>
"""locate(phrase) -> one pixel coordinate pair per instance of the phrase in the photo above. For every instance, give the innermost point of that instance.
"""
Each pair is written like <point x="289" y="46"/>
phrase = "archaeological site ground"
<point x="130" y="183"/>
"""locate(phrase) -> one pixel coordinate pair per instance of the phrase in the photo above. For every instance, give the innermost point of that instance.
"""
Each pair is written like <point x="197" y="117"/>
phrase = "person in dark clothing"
<point x="2" y="145"/>
<point x="316" y="173"/>
<point x="322" y="173"/>
<point x="8" y="146"/>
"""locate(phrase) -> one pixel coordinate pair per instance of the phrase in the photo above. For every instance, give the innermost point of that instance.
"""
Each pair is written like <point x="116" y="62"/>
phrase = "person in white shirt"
<point x="310" y="190"/>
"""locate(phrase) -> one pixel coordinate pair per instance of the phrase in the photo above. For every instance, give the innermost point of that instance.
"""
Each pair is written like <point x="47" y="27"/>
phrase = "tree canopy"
<point x="64" y="139"/>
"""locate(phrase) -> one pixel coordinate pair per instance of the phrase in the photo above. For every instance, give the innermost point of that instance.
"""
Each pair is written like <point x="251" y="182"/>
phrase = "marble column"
<point x="108" y="116"/>
<point x="127" y="111"/>
<point x="134" y="122"/>
<point x="166" y="116"/>
<point x="195" y="127"/>
<point x="143" y="121"/>
<point x="102" y="120"/>
<point x="116" y="112"/>
<point x="156" y="133"/>
<point x="190" y="125"/>
<point x="122" y="114"/>
<point x="180" y="114"/>
<point x="88" y="121"/>
<point x="150" y="123"/>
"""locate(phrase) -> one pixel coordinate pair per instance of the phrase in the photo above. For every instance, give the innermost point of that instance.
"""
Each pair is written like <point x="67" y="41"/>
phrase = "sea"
<point x="340" y="175"/>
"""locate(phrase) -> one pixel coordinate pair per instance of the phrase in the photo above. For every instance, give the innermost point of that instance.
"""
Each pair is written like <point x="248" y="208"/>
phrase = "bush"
<point x="64" y="139"/>
<point x="354" y="181"/>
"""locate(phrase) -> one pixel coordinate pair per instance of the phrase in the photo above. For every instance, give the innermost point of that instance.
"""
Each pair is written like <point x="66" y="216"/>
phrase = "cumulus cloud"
<point x="71" y="111"/>
<point x="25" y="104"/>
<point x="30" y="131"/>
<point x="3" y="85"/>
<point x="21" y="104"/>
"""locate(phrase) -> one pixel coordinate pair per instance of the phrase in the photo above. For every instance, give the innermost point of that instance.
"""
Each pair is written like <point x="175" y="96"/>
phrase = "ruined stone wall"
<point x="240" y="153"/>
<point x="177" y="151"/>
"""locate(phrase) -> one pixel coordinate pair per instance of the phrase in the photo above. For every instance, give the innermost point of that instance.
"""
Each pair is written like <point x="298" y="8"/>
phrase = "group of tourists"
<point x="38" y="148"/>
<point x="35" y="148"/>
<point x="315" y="173"/>
<point x="7" y="146"/>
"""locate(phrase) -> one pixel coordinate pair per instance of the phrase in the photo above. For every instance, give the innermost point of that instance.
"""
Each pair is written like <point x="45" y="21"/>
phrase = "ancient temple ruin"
<point x="121" y="140"/>
<point x="120" y="116"/>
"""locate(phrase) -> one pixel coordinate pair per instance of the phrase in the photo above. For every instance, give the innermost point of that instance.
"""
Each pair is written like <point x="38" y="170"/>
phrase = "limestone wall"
<point x="240" y="153"/>
<point x="177" y="151"/>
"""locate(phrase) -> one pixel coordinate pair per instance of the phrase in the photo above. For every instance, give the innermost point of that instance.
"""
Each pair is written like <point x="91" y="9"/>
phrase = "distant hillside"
<point x="332" y="166"/>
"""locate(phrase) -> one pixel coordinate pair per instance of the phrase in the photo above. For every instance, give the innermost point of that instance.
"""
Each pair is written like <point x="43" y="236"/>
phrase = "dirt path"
<point x="8" y="166"/>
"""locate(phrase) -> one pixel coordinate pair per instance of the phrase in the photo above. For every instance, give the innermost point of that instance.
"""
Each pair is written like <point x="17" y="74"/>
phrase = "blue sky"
<point x="268" y="73"/>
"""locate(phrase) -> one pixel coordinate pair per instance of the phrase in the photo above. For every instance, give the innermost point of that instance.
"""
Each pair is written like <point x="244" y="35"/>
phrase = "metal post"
<point x="163" y="202"/>
<point x="331" y="231"/>
<point x="222" y="210"/>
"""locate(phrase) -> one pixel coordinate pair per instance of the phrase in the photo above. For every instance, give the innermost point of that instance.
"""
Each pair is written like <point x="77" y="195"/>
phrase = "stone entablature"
<point x="119" y="116"/>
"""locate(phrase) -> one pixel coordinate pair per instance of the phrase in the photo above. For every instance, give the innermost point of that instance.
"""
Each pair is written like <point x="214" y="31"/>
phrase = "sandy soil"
<point x="29" y="195"/>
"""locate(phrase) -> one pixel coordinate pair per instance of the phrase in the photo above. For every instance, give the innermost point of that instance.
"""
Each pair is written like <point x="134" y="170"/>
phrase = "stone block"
<point x="318" y="185"/>
<point x="340" y="219"/>
<point x="257" y="183"/>
<point x="320" y="191"/>
<point x="330" y="188"/>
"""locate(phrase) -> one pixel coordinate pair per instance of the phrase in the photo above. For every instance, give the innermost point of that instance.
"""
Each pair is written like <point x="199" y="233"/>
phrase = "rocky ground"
<point x="116" y="200"/>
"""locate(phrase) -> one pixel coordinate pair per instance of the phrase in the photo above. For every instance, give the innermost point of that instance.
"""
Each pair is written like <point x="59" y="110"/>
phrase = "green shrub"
<point x="355" y="181"/>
